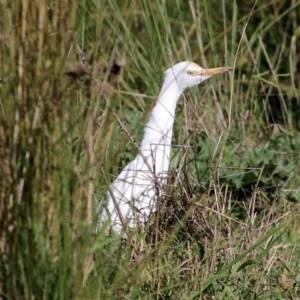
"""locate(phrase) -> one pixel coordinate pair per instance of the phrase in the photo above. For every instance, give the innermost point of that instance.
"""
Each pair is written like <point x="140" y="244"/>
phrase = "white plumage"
<point x="133" y="195"/>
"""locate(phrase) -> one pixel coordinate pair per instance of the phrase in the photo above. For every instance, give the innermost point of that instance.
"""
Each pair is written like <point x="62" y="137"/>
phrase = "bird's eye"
<point x="190" y="73"/>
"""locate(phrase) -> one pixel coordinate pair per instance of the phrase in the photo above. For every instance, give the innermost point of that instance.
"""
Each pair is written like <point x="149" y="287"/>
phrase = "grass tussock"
<point x="77" y="80"/>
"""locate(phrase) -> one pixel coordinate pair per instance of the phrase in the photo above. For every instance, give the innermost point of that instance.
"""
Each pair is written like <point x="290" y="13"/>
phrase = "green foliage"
<point x="70" y="108"/>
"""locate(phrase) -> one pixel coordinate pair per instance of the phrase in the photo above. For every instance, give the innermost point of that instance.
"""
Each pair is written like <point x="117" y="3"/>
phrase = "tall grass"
<point x="74" y="74"/>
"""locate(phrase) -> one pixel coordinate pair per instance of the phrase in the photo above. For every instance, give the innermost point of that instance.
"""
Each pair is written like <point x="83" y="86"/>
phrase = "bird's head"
<point x="188" y="74"/>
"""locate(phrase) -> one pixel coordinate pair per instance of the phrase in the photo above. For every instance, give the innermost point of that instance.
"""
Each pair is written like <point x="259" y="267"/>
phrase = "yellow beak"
<point x="213" y="71"/>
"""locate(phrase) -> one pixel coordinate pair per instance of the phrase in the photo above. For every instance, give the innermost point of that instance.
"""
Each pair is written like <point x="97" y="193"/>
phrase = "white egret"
<point x="133" y="195"/>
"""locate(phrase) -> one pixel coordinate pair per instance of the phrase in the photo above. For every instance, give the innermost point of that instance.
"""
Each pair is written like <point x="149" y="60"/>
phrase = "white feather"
<point x="138" y="186"/>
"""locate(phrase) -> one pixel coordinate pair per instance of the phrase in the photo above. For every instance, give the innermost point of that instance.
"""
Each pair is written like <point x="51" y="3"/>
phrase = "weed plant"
<point x="75" y="74"/>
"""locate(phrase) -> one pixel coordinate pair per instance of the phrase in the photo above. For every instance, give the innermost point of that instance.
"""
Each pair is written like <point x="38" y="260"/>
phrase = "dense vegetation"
<point x="77" y="82"/>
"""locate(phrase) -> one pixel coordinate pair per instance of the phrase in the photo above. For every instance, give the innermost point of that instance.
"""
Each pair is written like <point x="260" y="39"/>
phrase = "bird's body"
<point x="133" y="195"/>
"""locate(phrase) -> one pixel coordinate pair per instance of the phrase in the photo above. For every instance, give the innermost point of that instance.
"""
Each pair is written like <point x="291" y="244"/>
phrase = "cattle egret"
<point x="133" y="195"/>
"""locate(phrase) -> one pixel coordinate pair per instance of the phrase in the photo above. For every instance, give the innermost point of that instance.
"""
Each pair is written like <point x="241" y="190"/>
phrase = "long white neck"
<point x="159" y="129"/>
